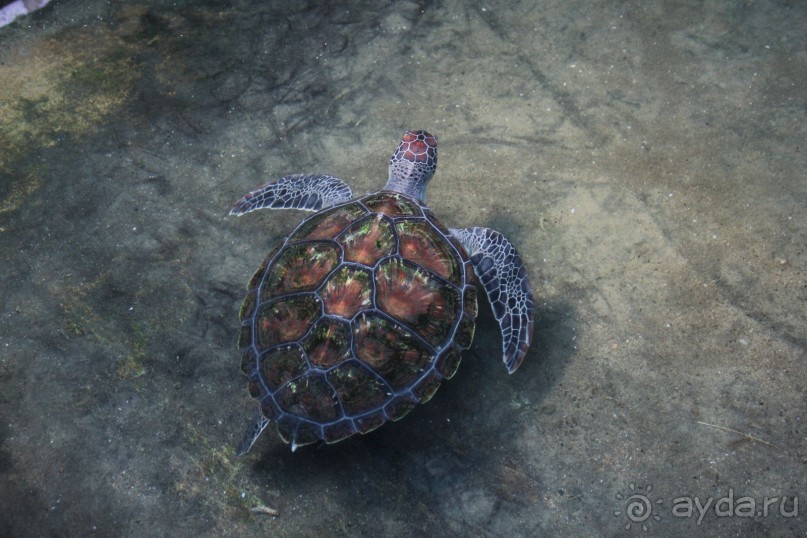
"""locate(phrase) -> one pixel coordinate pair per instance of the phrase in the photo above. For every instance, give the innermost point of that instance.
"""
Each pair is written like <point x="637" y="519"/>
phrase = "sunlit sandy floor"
<point x="648" y="159"/>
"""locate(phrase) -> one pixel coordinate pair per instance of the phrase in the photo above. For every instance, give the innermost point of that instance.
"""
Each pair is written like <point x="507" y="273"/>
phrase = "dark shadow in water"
<point x="456" y="444"/>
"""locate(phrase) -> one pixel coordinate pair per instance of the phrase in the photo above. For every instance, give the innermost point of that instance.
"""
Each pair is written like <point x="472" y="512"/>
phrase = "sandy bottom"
<point x="648" y="160"/>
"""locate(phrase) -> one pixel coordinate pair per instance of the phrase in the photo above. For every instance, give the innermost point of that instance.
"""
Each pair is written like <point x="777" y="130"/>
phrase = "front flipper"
<point x="501" y="271"/>
<point x="311" y="192"/>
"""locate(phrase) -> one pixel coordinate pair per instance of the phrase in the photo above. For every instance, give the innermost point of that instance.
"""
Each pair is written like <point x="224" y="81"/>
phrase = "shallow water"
<point x="647" y="160"/>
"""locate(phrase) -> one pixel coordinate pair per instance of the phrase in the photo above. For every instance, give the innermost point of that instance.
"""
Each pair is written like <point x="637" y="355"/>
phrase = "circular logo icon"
<point x="638" y="508"/>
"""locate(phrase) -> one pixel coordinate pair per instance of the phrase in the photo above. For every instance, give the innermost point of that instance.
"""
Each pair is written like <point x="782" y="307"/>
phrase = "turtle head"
<point x="413" y="164"/>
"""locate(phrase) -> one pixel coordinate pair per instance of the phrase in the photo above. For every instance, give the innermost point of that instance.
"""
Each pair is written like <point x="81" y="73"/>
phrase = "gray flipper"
<point x="254" y="431"/>
<point x="501" y="271"/>
<point x="311" y="192"/>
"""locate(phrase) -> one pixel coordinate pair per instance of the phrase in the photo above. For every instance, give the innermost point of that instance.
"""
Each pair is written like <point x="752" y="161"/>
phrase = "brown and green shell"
<point x="357" y="317"/>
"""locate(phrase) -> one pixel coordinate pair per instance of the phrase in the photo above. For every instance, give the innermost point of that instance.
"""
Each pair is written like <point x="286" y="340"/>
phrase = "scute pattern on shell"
<point x="358" y="316"/>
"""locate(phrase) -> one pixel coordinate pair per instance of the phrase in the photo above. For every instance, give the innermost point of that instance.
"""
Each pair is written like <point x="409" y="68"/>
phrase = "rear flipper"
<point x="254" y="431"/>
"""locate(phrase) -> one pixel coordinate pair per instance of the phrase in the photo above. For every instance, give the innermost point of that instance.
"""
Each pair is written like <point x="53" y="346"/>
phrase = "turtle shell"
<point x="355" y="318"/>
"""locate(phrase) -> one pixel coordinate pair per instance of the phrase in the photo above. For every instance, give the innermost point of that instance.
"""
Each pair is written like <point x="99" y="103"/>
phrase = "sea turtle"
<point x="363" y="310"/>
